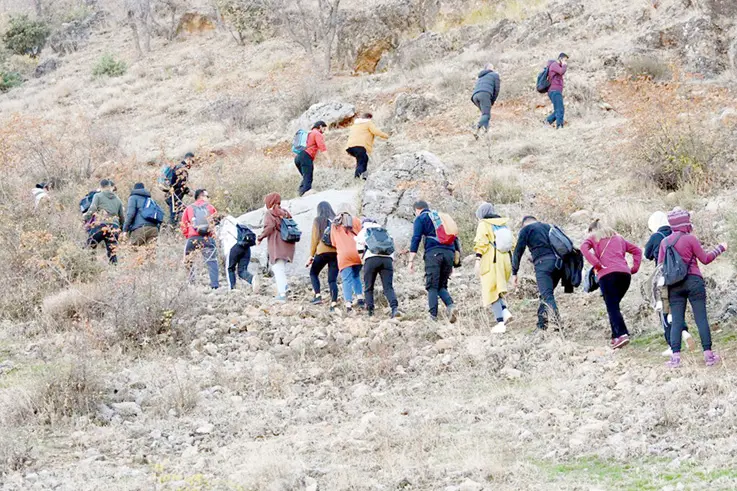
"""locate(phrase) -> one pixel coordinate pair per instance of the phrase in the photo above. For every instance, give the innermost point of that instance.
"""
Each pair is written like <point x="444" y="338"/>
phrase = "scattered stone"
<point x="46" y="67"/>
<point x="205" y="429"/>
<point x="511" y="373"/>
<point x="470" y="485"/>
<point x="414" y="107"/>
<point x="127" y="410"/>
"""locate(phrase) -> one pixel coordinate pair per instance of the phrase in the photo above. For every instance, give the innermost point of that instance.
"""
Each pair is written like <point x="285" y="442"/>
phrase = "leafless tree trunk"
<point x="133" y="23"/>
<point x="39" y="5"/>
<point x="146" y="18"/>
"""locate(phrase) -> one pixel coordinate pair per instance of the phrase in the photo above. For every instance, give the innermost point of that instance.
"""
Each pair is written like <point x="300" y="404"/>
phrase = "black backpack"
<point x="289" y="231"/>
<point x="543" y="81"/>
<point x="246" y="237"/>
<point x="86" y="202"/>
<point x="561" y="244"/>
<point x="326" y="235"/>
<point x="379" y="242"/>
<point x="675" y="269"/>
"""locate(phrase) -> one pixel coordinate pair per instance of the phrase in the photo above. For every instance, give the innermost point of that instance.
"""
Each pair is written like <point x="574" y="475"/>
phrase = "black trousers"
<point x="547" y="275"/>
<point x="693" y="290"/>
<point x="107" y="233"/>
<point x="614" y="286"/>
<point x="379" y="266"/>
<point x="362" y="158"/>
<point x="306" y="167"/>
<point x="329" y="259"/>
<point x="237" y="262"/>
<point x="438" y="268"/>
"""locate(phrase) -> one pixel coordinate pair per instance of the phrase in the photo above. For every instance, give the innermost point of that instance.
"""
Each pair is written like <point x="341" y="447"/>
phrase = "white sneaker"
<point x="506" y="315"/>
<point x="256" y="283"/>
<point x="667" y="352"/>
<point x="689" y="340"/>
<point x="499" y="329"/>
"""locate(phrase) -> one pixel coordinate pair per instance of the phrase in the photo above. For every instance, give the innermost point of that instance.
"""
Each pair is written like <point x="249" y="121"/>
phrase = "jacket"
<point x="496" y="267"/>
<point x="610" y="255"/>
<point x="488" y="81"/>
<point x="187" y="225"/>
<point x="361" y="241"/>
<point x="344" y="241"/>
<point x="572" y="271"/>
<point x="653" y="244"/>
<point x="317" y="246"/>
<point x="536" y="237"/>
<point x="424" y="228"/>
<point x="689" y="248"/>
<point x="136" y="203"/>
<point x="315" y="143"/>
<point x="277" y="248"/>
<point x="106" y="209"/>
<point x="362" y="134"/>
<point x="38" y="195"/>
<point x="556" y="71"/>
<point x="179" y="181"/>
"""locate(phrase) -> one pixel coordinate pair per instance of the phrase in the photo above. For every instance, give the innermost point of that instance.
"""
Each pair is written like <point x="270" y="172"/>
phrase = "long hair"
<point x="325" y="215"/>
<point x="600" y="231"/>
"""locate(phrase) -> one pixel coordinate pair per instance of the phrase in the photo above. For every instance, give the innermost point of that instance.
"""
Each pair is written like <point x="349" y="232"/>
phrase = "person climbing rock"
<point x="484" y="96"/>
<point x="322" y="254"/>
<point x="361" y="142"/>
<point x="305" y="160"/>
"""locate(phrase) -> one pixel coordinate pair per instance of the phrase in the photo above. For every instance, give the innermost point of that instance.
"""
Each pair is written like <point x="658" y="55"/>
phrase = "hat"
<point x="680" y="221"/>
<point x="657" y="220"/>
<point x="138" y="185"/>
<point x="42" y="185"/>
<point x="562" y="55"/>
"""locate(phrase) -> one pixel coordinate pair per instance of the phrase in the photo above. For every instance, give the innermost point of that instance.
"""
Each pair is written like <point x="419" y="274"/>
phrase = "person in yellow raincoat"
<point x="493" y="245"/>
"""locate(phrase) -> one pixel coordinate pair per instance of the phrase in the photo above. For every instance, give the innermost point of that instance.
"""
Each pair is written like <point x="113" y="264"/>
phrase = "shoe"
<point x="395" y="313"/>
<point x="370" y="313"/>
<point x="317" y="300"/>
<point x="689" y="340"/>
<point x="711" y="358"/>
<point x="667" y="352"/>
<point x="506" y="315"/>
<point x="348" y="309"/>
<point x="433" y="318"/>
<point x="281" y="298"/>
<point x="452" y="314"/>
<point x="332" y="306"/>
<point x="675" y="361"/>
<point x="620" y="342"/>
<point x="499" y="328"/>
<point x="361" y="303"/>
<point x="256" y="283"/>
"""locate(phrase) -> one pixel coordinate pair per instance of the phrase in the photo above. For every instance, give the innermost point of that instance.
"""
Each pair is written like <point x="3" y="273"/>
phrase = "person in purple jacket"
<point x="607" y="252"/>
<point x="692" y="288"/>
<point x="556" y="70"/>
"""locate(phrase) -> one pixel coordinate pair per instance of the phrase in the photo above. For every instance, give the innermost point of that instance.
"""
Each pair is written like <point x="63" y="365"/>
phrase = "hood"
<point x="141" y="192"/>
<point x="657" y="220"/>
<point x="108" y="194"/>
<point x="498" y="221"/>
<point x="361" y="121"/>
<point x="38" y="192"/>
<point x="485" y="72"/>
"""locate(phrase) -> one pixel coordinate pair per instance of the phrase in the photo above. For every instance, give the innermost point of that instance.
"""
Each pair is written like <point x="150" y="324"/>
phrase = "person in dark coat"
<point x="485" y="94"/>
<point x="140" y="230"/>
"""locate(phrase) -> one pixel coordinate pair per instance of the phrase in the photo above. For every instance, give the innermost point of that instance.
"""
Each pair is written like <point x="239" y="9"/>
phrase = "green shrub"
<point x="109" y="66"/>
<point x="26" y="36"/>
<point x="9" y="80"/>
<point x="502" y="192"/>
<point x="649" y="67"/>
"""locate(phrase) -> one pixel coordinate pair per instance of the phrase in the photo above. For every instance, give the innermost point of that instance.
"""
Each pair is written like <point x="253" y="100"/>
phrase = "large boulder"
<point x="413" y="107"/>
<point x="723" y="11"/>
<point x="334" y="113"/>
<point x="427" y="47"/>
<point x="394" y="187"/>
<point x="303" y="210"/>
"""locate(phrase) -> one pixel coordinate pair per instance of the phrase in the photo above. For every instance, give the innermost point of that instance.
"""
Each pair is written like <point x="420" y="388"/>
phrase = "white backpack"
<point x="504" y="238"/>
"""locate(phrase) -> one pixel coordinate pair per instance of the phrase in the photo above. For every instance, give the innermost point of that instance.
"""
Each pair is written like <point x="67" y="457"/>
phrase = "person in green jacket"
<point x="105" y="217"/>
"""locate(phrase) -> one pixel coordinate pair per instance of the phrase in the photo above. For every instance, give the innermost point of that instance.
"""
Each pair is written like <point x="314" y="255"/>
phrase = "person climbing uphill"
<point x="40" y="194"/>
<point x="140" y="230"/>
<point x="484" y="96"/>
<point x="493" y="245"/>
<point x="343" y="231"/>
<point x="322" y="253"/>
<point x="236" y="241"/>
<point x="178" y="187"/>
<point x="104" y="218"/>
<point x="556" y="71"/>
<point x="691" y="288"/>
<point x="280" y="251"/>
<point x="305" y="159"/>
<point x="198" y="227"/>
<point x="607" y="252"/>
<point x="361" y="142"/>
<point x="376" y="247"/>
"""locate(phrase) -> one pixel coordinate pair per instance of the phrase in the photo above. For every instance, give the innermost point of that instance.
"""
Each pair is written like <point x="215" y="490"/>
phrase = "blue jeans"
<point x="559" y="109"/>
<point x="210" y="255"/>
<point x="352" y="284"/>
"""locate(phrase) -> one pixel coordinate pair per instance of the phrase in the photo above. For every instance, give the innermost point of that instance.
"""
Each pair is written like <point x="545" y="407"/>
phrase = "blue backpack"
<point x="299" y="143"/>
<point x="152" y="212"/>
<point x="86" y="202"/>
<point x="543" y="81"/>
<point x="165" y="176"/>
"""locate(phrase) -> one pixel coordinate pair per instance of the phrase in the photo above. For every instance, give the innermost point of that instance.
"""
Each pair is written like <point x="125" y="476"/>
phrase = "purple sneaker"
<point x="675" y="361"/>
<point x="620" y="341"/>
<point x="711" y="358"/>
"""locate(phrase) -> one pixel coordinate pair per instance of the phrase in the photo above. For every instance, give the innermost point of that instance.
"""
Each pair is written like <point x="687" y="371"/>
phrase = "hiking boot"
<point x="371" y="312"/>
<point x="332" y="306"/>
<point x="506" y="315"/>
<point x="689" y="340"/>
<point x="620" y="342"/>
<point x="499" y="328"/>
<point x="452" y="314"/>
<point x="317" y="300"/>
<point x="395" y="313"/>
<point x="348" y="309"/>
<point x="711" y="358"/>
<point x="667" y="352"/>
<point x="675" y="361"/>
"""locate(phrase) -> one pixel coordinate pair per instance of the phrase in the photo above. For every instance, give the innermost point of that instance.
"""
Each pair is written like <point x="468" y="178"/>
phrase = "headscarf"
<point x="657" y="220"/>
<point x="680" y="221"/>
<point x="272" y="199"/>
<point x="344" y="217"/>
<point x="485" y="210"/>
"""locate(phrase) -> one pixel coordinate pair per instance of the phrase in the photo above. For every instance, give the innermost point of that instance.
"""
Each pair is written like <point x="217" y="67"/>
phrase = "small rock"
<point x="211" y="349"/>
<point x="470" y="485"/>
<point x="511" y="373"/>
<point x="443" y="345"/>
<point x="205" y="429"/>
<point x="127" y="409"/>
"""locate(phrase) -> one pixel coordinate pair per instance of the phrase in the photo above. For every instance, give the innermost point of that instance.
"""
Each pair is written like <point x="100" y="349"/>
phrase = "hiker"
<point x="177" y="188"/>
<point x="322" y="253"/>
<point x="439" y="257"/>
<point x="361" y="142"/>
<point x="493" y="245"/>
<point x="484" y="96"/>
<point x="140" y="229"/>
<point x="658" y="225"/>
<point x="556" y="70"/>
<point x="607" y="251"/>
<point x="103" y="217"/>
<point x="40" y="194"/>
<point x="343" y="231"/>
<point x="236" y="241"/>
<point x="377" y="249"/>
<point x="692" y="288"/>
<point x="305" y="159"/>
<point x="280" y="251"/>
<point x="198" y="226"/>
<point x="548" y="270"/>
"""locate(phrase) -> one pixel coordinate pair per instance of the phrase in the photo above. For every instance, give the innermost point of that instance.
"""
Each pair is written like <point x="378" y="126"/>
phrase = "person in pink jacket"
<point x="692" y="288"/>
<point x="607" y="252"/>
<point x="556" y="71"/>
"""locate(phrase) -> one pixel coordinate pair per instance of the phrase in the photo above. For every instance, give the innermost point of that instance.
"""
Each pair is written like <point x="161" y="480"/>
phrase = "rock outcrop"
<point x="334" y="113"/>
<point x="426" y="48"/>
<point x="413" y="107"/>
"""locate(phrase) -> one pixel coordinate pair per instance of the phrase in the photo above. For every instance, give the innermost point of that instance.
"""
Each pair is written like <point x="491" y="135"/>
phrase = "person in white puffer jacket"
<point x="377" y="249"/>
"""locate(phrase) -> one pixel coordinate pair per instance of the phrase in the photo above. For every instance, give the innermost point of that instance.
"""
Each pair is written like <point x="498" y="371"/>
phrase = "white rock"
<point x="205" y="429"/>
<point x="127" y="409"/>
<point x="470" y="485"/>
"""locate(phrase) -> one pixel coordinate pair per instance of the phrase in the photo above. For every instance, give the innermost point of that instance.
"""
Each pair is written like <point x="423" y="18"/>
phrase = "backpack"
<point x="289" y="231"/>
<point x="379" y="242"/>
<point x="166" y="176"/>
<point x="590" y="281"/>
<point x="201" y="220"/>
<point x="299" y="143"/>
<point x="675" y="269"/>
<point x="326" y="235"/>
<point x="446" y="229"/>
<point x="504" y="238"/>
<point x="561" y="244"/>
<point x="86" y="202"/>
<point x="543" y="81"/>
<point x="152" y="212"/>
<point x="245" y="236"/>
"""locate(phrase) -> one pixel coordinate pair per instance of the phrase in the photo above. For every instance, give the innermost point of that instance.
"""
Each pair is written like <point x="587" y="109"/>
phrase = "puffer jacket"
<point x="488" y="81"/>
<point x="106" y="209"/>
<point x="136" y="202"/>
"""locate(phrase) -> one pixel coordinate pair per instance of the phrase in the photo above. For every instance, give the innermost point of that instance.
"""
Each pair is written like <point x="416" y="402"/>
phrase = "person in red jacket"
<point x="556" y="70"/>
<point x="305" y="160"/>
<point x="198" y="226"/>
<point x="607" y="252"/>
<point x="692" y="288"/>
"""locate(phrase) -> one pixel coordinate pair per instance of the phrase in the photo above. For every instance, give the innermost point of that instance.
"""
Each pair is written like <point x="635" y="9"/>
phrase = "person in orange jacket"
<point x="361" y="142"/>
<point x="343" y="232"/>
